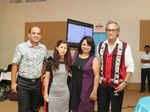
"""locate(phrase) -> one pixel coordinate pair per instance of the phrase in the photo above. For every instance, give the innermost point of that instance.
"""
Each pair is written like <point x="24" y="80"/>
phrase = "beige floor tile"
<point x="131" y="98"/>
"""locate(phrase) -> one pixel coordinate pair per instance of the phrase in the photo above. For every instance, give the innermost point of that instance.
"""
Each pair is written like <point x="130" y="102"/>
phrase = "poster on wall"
<point x="99" y="37"/>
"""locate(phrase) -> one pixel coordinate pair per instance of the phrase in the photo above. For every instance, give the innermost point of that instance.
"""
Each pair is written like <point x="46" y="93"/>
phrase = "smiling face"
<point x="85" y="47"/>
<point x="35" y="35"/>
<point x="112" y="31"/>
<point x="62" y="49"/>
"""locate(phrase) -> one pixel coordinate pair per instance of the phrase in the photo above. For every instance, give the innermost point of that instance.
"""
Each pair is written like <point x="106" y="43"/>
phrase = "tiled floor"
<point x="130" y="100"/>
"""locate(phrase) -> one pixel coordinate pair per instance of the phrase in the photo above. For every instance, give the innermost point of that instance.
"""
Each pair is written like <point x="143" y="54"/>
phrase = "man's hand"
<point x="120" y="87"/>
<point x="13" y="77"/>
<point x="13" y="87"/>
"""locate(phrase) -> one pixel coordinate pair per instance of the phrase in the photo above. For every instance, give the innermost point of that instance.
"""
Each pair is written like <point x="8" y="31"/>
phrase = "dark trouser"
<point x="105" y="95"/>
<point x="29" y="95"/>
<point x="145" y="73"/>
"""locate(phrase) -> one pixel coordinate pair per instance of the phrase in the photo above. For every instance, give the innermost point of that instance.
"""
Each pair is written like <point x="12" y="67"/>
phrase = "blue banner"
<point x="99" y="37"/>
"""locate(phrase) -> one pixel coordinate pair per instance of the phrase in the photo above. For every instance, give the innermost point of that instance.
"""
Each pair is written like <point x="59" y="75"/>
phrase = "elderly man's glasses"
<point x="111" y="30"/>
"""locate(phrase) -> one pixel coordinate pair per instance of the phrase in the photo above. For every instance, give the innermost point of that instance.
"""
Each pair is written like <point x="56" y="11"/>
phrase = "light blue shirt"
<point x="30" y="59"/>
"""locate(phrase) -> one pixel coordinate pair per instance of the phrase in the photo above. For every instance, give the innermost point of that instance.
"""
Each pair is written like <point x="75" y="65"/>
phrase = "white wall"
<point x="1" y="19"/>
<point x="126" y="12"/>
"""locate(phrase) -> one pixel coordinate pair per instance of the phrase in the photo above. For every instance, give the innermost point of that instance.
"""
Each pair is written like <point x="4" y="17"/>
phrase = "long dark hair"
<point x="90" y="42"/>
<point x="56" y="57"/>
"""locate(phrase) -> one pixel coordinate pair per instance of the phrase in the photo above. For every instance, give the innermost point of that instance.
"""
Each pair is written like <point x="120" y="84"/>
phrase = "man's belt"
<point x="29" y="80"/>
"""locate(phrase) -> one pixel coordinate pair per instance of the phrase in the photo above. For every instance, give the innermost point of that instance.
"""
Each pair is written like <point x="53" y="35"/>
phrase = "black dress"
<point x="76" y="85"/>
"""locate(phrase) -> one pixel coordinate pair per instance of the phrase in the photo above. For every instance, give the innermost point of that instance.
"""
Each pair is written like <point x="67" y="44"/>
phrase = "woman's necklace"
<point x="83" y="56"/>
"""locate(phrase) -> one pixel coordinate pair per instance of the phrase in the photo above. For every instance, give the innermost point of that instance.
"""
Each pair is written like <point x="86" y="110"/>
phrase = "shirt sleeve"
<point x="46" y="53"/>
<point x="129" y="63"/>
<point x="17" y="55"/>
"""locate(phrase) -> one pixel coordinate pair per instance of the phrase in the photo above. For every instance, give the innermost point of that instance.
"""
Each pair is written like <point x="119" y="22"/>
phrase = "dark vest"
<point x="108" y="62"/>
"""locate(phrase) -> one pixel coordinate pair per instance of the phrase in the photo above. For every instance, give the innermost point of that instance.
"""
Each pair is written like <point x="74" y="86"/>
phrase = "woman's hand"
<point x="46" y="97"/>
<point x="95" y="67"/>
<point x="93" y="95"/>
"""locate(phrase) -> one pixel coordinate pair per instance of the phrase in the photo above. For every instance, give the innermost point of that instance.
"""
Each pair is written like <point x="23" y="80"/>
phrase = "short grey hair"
<point x="113" y="22"/>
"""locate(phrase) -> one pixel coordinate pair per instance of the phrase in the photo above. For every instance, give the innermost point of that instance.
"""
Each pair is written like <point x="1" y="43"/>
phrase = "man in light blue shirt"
<point x="28" y="63"/>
